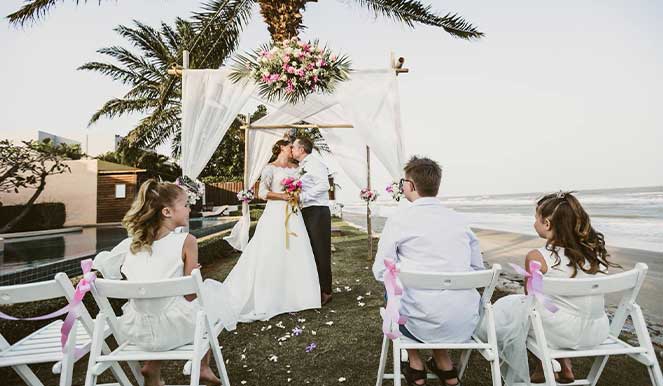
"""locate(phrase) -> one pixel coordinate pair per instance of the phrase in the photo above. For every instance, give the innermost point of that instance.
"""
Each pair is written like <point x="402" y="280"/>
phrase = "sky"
<point x="558" y="95"/>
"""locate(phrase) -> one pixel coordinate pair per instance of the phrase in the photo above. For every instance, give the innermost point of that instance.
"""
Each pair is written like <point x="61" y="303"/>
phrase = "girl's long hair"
<point x="573" y="231"/>
<point x="144" y="218"/>
<point x="276" y="149"/>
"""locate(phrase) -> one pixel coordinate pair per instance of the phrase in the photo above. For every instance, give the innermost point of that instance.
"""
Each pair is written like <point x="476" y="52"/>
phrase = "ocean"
<point x="628" y="217"/>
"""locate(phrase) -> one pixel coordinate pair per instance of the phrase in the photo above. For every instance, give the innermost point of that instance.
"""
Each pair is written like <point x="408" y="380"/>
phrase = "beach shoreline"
<point x="509" y="247"/>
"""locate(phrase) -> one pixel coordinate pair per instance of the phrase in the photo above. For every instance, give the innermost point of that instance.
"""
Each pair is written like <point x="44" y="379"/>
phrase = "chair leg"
<point x="198" y="349"/>
<point x="68" y="359"/>
<point x="27" y="375"/>
<point x="216" y="352"/>
<point x="396" y="349"/>
<point x="462" y="365"/>
<point x="541" y="341"/>
<point x="95" y="348"/>
<point x="645" y="341"/>
<point x="383" y="360"/>
<point x="597" y="369"/>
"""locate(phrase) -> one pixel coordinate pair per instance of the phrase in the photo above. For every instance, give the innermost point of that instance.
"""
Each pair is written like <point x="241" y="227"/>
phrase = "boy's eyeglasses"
<point x="402" y="181"/>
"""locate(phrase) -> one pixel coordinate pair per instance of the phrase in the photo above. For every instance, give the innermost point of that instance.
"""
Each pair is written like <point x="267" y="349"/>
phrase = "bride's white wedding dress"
<point x="270" y="279"/>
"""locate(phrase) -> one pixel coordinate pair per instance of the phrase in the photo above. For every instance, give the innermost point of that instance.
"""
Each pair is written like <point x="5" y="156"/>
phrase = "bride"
<point x="270" y="278"/>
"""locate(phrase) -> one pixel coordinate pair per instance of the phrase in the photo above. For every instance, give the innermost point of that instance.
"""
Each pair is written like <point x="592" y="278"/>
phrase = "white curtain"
<point x="369" y="101"/>
<point x="210" y="103"/>
<point x="260" y="150"/>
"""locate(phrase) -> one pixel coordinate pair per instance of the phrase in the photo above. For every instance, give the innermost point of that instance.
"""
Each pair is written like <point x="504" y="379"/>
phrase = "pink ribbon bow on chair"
<point x="535" y="284"/>
<point x="73" y="308"/>
<point x="391" y="315"/>
<point x="82" y="288"/>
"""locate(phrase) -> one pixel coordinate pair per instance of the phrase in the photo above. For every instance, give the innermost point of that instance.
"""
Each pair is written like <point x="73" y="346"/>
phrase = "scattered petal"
<point x="368" y="294"/>
<point x="311" y="347"/>
<point x="301" y="320"/>
<point x="243" y="382"/>
<point x="330" y="323"/>
<point x="313" y="332"/>
<point x="297" y="331"/>
<point x="359" y="297"/>
<point x="273" y="358"/>
<point x="242" y="356"/>
<point x="342" y="379"/>
<point x="280" y="325"/>
<point x="360" y="304"/>
<point x="289" y="379"/>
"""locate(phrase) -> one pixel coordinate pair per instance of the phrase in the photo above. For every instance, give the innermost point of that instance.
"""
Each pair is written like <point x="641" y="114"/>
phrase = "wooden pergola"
<point x="397" y="65"/>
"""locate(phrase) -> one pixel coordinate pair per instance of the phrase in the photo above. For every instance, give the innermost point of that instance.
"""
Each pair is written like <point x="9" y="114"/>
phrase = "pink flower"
<point x="274" y="77"/>
<point x="286" y="59"/>
<point x="390" y="189"/>
<point x="300" y="72"/>
<point x="290" y="69"/>
<point x="310" y="66"/>
<point x="333" y="57"/>
<point x="315" y="79"/>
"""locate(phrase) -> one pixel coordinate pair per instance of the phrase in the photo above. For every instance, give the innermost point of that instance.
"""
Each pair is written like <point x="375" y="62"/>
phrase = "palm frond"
<point x="413" y="11"/>
<point x="117" y="107"/>
<point x="33" y="11"/>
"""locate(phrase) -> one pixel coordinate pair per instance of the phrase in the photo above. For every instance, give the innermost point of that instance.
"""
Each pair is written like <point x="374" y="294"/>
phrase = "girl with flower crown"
<point x="573" y="249"/>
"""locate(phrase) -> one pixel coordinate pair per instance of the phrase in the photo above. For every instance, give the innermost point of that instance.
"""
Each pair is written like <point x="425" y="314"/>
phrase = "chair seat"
<point x="130" y="352"/>
<point x="41" y="346"/>
<point x="611" y="346"/>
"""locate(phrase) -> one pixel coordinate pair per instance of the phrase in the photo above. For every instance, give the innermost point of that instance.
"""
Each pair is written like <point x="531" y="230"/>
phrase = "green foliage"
<point x="25" y="166"/>
<point x="157" y="165"/>
<point x="227" y="162"/>
<point x="49" y="215"/>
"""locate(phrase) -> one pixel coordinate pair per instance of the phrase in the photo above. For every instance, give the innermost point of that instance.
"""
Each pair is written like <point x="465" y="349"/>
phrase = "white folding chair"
<point x="629" y="283"/>
<point x="205" y="334"/>
<point x="43" y="345"/>
<point x="487" y="280"/>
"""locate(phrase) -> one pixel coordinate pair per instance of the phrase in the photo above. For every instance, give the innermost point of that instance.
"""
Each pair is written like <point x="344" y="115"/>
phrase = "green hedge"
<point x="49" y="215"/>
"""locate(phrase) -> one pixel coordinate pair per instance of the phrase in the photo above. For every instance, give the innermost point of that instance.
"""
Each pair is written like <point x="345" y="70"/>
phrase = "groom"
<point x="314" y="200"/>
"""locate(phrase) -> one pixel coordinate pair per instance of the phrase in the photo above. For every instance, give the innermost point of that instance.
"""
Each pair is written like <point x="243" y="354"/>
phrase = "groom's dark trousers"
<point x="318" y="227"/>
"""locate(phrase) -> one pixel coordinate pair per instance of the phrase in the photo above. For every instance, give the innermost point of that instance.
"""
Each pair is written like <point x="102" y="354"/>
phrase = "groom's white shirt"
<point x="315" y="182"/>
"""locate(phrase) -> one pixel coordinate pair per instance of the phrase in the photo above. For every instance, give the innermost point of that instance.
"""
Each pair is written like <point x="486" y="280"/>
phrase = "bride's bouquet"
<point x="293" y="187"/>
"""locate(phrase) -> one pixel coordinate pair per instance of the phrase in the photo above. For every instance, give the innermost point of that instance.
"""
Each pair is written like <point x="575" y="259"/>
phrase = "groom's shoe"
<point x="325" y="298"/>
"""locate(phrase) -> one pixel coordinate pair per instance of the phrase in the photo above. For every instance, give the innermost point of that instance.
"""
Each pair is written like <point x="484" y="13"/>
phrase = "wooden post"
<point x="369" y="228"/>
<point x="245" y="205"/>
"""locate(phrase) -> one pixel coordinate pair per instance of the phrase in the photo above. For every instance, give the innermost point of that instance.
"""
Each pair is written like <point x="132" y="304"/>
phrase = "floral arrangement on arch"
<point x="292" y="69"/>
<point x="368" y="195"/>
<point x="395" y="190"/>
<point x="191" y="187"/>
<point x="245" y="196"/>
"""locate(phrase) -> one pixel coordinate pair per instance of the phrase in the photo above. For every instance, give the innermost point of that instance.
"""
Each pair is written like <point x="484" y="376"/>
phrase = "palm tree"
<point x="284" y="17"/>
<point x="211" y="37"/>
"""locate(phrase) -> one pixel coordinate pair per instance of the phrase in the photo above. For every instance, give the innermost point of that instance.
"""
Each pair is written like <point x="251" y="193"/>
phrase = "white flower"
<point x="342" y="379"/>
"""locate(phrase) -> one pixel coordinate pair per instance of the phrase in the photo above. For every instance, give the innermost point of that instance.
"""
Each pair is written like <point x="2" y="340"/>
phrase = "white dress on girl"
<point x="269" y="278"/>
<point x="579" y="323"/>
<point x="161" y="323"/>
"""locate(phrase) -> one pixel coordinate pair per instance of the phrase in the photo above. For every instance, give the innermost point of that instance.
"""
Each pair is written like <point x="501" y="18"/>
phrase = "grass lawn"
<point x="346" y="331"/>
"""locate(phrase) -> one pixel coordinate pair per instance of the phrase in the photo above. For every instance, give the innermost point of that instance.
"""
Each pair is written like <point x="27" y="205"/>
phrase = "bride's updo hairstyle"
<point x="276" y="149"/>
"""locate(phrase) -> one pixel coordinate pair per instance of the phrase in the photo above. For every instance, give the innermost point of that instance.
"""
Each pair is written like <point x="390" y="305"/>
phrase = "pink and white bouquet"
<point x="293" y="187"/>
<point x="246" y="195"/>
<point x="395" y="191"/>
<point x="292" y="69"/>
<point x="368" y="195"/>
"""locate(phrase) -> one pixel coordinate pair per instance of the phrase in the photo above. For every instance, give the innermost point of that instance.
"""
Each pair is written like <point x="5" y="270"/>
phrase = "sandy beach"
<point x="505" y="247"/>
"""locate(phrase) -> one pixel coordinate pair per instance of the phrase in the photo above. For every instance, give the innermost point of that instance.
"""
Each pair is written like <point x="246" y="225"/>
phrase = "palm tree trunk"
<point x="283" y="17"/>
<point x="28" y="205"/>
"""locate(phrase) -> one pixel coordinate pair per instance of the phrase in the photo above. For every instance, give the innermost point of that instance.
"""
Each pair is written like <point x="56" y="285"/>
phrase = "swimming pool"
<point x="31" y="259"/>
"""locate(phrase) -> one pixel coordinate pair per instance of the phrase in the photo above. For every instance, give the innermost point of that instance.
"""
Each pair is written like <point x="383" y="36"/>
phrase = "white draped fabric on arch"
<point x="369" y="101"/>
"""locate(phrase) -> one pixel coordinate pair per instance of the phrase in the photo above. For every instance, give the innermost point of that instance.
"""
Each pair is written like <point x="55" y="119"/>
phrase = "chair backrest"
<point x="598" y="285"/>
<point x="59" y="287"/>
<point x="486" y="279"/>
<point x="449" y="280"/>
<point x="104" y="289"/>
<point x="628" y="282"/>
